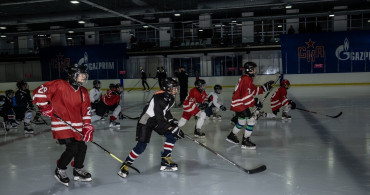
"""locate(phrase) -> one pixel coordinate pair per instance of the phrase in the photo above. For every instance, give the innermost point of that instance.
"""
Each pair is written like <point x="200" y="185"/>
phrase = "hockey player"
<point x="69" y="100"/>
<point x="157" y="117"/>
<point x="194" y="105"/>
<point x="23" y="110"/>
<point x="279" y="100"/>
<point x="95" y="94"/>
<point x="109" y="102"/>
<point x="6" y="109"/>
<point x="242" y="100"/>
<point x="214" y="106"/>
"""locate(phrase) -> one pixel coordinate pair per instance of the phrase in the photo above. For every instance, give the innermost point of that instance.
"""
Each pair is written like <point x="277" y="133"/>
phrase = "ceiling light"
<point x="234" y="21"/>
<point x="368" y="20"/>
<point x="3" y="36"/>
<point x="2" y="27"/>
<point x="177" y="14"/>
<point x="145" y="26"/>
<point x="81" y="22"/>
<point x="288" y="6"/>
<point x="200" y="30"/>
<point x="280" y="26"/>
<point x="69" y="38"/>
<point x="75" y="2"/>
<point x="71" y="31"/>
<point x="331" y="15"/>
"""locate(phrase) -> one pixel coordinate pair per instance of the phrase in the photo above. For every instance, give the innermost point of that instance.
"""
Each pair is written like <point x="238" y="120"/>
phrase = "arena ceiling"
<point x="31" y="17"/>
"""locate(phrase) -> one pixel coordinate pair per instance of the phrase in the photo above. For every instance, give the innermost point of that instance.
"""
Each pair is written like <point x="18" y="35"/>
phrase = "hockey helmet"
<point x="168" y="84"/>
<point x="217" y="89"/>
<point x="285" y="83"/>
<point x="21" y="83"/>
<point x="96" y="84"/>
<point x="199" y="83"/>
<point x="249" y="68"/>
<point x="9" y="93"/>
<point x="112" y="86"/>
<point x="74" y="71"/>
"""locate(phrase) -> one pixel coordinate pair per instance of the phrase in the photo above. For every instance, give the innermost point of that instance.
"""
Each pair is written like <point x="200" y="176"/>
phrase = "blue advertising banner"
<point x="102" y="61"/>
<point x="326" y="52"/>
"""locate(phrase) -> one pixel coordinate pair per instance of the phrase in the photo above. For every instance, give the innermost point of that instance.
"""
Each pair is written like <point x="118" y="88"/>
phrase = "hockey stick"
<point x="249" y="171"/>
<point x="134" y="86"/>
<point x="123" y="116"/>
<point x="336" y="116"/>
<point x="153" y="85"/>
<point x="105" y="150"/>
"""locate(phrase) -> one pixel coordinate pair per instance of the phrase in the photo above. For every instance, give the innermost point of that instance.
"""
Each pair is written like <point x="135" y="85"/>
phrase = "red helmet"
<point x="285" y="83"/>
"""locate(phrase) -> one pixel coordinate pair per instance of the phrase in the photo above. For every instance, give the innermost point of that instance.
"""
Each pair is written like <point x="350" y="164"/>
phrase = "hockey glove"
<point x="258" y="103"/>
<point x="47" y="111"/>
<point x="267" y="86"/>
<point x="87" y="132"/>
<point x="223" y="108"/>
<point x="202" y="106"/>
<point x="177" y="133"/>
<point x="292" y="105"/>
<point x="173" y="122"/>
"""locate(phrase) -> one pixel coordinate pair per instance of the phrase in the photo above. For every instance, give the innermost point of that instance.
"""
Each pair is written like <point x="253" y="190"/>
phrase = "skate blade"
<point x="123" y="175"/>
<point x="77" y="178"/>
<point x="66" y="184"/>
<point x="198" y="136"/>
<point x="249" y="148"/>
<point x="231" y="142"/>
<point x="168" y="169"/>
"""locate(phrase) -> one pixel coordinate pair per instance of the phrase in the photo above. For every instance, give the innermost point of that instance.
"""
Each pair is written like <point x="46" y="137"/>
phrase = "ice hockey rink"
<point x="310" y="154"/>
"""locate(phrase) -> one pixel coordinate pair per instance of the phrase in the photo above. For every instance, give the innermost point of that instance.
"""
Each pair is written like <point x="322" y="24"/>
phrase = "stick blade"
<point x="256" y="170"/>
<point x="338" y="115"/>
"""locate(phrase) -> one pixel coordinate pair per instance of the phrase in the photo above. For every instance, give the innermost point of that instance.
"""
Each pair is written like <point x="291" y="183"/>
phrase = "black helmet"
<point x="168" y="84"/>
<point x="112" y="86"/>
<point x="249" y="67"/>
<point x="21" y="83"/>
<point x="96" y="83"/>
<point x="8" y="92"/>
<point x="198" y="84"/>
<point x="73" y="71"/>
<point x="217" y="88"/>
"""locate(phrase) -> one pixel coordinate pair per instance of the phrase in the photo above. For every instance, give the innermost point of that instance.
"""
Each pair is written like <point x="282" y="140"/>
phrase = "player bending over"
<point x="69" y="100"/>
<point x="194" y="105"/>
<point x="242" y="100"/>
<point x="214" y="106"/>
<point x="157" y="117"/>
<point x="279" y="100"/>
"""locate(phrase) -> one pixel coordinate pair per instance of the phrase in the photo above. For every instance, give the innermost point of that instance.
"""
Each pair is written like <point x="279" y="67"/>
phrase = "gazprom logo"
<point x="342" y="53"/>
<point x="99" y="65"/>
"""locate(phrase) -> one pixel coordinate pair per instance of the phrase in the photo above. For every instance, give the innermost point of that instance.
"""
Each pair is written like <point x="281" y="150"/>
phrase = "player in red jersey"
<point x="69" y="100"/>
<point x="279" y="100"/>
<point x="241" y="102"/>
<point x="194" y="105"/>
<point x="109" y="102"/>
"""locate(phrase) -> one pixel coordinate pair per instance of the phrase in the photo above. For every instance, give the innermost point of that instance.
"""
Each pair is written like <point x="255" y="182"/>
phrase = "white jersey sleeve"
<point x="95" y="95"/>
<point x="214" y="100"/>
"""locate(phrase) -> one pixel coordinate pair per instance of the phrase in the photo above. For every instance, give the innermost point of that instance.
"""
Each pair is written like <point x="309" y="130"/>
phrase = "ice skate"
<point x="234" y="120"/>
<point x="232" y="138"/>
<point x="198" y="133"/>
<point x="81" y="175"/>
<point x="27" y="128"/>
<point x="167" y="164"/>
<point x="285" y="116"/>
<point x="248" y="144"/>
<point x="123" y="172"/>
<point x="61" y="176"/>
<point x="36" y="121"/>
<point x="114" y="124"/>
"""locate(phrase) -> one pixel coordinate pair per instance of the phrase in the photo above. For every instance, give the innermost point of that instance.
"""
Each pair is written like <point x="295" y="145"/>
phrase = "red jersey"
<point x="243" y="94"/>
<point x="73" y="106"/>
<point x="279" y="99"/>
<point x="191" y="101"/>
<point x="111" y="98"/>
